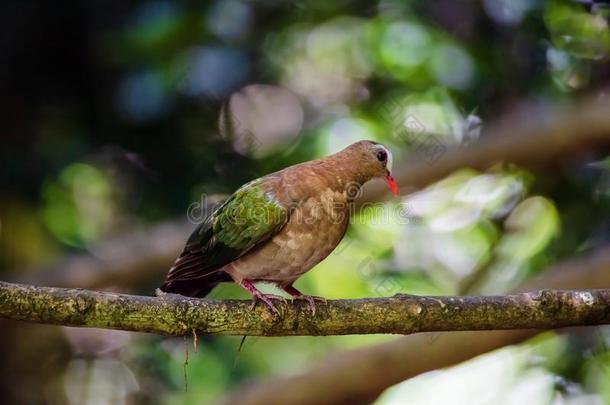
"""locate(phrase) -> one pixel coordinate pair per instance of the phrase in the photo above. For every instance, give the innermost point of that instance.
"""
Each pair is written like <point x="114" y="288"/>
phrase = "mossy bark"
<point x="400" y="314"/>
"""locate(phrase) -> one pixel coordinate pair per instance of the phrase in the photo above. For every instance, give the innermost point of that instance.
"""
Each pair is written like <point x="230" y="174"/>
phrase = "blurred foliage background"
<point x="119" y="115"/>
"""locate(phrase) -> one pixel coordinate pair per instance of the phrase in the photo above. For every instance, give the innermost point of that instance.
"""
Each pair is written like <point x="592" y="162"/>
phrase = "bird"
<point x="275" y="228"/>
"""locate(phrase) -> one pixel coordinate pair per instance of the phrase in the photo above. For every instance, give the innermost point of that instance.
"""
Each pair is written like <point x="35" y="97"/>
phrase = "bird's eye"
<point x="382" y="155"/>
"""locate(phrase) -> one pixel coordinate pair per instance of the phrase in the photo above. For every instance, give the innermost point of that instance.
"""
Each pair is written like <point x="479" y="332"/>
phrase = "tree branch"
<point x="401" y="314"/>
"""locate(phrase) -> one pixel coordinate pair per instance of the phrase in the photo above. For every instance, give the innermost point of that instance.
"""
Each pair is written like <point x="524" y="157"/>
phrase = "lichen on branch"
<point x="400" y="314"/>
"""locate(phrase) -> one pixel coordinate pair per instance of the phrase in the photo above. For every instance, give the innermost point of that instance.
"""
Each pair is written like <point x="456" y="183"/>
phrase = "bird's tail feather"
<point x="191" y="288"/>
<point x="195" y="287"/>
<point x="192" y="276"/>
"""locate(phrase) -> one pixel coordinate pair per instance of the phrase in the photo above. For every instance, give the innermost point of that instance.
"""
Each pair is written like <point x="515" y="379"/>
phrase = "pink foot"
<point x="257" y="295"/>
<point x="311" y="299"/>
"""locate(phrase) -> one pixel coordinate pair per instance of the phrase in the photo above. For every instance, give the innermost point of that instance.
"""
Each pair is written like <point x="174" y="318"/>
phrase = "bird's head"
<point x="372" y="160"/>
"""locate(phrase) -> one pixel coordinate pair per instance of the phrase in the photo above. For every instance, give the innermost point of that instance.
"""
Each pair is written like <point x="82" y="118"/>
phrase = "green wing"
<point x="249" y="218"/>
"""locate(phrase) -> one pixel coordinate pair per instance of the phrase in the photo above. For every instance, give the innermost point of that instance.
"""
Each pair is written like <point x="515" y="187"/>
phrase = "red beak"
<point x="391" y="184"/>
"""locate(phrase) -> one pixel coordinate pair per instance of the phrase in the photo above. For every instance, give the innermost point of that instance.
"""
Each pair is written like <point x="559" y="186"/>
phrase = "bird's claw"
<point x="267" y="299"/>
<point x="311" y="301"/>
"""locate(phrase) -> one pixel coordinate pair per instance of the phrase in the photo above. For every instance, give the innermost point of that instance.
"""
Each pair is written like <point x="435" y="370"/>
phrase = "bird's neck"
<point x="343" y="175"/>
